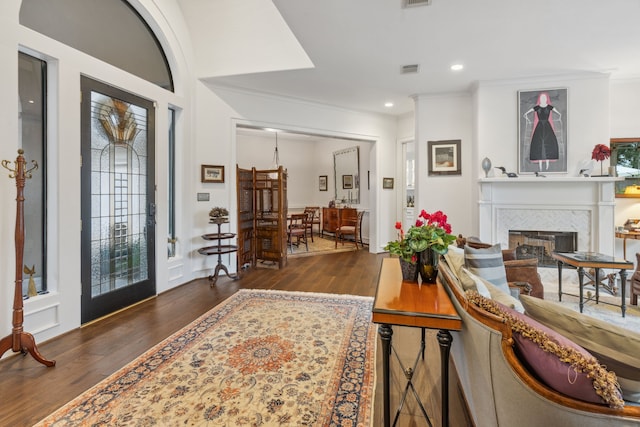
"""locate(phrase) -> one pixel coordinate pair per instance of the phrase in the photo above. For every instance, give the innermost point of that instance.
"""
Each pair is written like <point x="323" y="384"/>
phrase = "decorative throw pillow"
<point x="555" y="360"/>
<point x="487" y="263"/>
<point x="497" y="294"/>
<point x="479" y="284"/>
<point x="455" y="259"/>
<point x="615" y="347"/>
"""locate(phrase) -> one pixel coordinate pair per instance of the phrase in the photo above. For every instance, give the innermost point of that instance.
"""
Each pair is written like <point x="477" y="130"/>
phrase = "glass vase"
<point x="428" y="266"/>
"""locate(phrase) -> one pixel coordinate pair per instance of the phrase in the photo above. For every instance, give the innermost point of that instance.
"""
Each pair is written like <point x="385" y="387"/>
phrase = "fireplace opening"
<point x="541" y="244"/>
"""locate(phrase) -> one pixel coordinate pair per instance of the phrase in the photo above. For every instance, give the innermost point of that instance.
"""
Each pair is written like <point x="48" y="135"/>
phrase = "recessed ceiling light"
<point x="457" y="67"/>
<point x="388" y="104"/>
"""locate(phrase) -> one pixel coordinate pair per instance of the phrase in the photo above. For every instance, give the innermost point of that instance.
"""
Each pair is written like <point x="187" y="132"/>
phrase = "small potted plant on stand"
<point x="218" y="215"/>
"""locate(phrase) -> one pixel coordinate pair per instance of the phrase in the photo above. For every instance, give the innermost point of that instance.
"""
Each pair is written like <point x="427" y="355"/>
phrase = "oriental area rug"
<point x="260" y="358"/>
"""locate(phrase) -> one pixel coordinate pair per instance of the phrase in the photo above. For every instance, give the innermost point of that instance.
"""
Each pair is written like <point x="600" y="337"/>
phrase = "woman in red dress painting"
<point x="544" y="144"/>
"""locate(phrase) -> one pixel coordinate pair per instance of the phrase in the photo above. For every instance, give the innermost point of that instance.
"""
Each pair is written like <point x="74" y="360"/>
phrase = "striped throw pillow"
<point x="487" y="263"/>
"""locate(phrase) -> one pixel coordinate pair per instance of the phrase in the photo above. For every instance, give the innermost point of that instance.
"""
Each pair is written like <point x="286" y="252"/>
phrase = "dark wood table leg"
<point x="623" y="285"/>
<point x="386" y="333"/>
<point x="216" y="272"/>
<point x="560" y="280"/>
<point x="597" y="284"/>
<point x="581" y="286"/>
<point x="445" y="339"/>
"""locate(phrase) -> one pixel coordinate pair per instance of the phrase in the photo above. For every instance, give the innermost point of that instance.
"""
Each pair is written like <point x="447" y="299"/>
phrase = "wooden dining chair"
<point x="349" y="226"/>
<point x="312" y="217"/>
<point x="297" y="230"/>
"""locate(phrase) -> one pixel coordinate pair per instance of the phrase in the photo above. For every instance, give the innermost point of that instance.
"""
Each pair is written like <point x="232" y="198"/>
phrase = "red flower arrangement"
<point x="600" y="153"/>
<point x="430" y="231"/>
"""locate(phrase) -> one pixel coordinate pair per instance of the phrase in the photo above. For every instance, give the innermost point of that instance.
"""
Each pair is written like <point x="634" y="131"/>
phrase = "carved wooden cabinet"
<point x="331" y="218"/>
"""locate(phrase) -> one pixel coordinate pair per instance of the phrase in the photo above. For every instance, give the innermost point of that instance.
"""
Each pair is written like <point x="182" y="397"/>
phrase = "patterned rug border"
<point x="235" y="299"/>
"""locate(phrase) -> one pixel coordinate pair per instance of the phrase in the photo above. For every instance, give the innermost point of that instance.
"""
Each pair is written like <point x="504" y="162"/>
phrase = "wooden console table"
<point x="219" y="250"/>
<point x="420" y="306"/>
<point x="582" y="260"/>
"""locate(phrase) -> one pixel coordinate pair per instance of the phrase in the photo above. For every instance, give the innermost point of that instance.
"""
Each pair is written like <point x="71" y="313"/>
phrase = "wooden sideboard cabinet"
<point x="331" y="218"/>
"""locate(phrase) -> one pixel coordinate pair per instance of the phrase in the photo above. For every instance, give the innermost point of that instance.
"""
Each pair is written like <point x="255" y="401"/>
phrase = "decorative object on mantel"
<point x="509" y="174"/>
<point x="486" y="166"/>
<point x="19" y="340"/>
<point x="600" y="153"/>
<point x="218" y="215"/>
<point x="431" y="233"/>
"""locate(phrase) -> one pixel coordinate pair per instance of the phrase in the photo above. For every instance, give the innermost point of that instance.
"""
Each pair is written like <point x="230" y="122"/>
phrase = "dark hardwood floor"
<point x="29" y="391"/>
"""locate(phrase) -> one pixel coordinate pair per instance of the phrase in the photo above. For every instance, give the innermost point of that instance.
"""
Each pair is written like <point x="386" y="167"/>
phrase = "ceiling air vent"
<point x="414" y="3"/>
<point x="409" y="69"/>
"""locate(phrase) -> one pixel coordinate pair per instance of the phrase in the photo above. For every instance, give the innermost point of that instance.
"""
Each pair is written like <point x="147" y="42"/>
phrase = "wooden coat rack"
<point x="20" y="341"/>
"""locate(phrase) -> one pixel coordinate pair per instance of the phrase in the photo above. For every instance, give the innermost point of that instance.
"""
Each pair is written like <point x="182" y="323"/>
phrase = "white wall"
<point x="446" y="117"/>
<point x="496" y="121"/>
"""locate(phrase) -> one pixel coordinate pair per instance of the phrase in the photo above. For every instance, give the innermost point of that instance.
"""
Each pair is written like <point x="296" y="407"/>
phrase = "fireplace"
<point x="582" y="205"/>
<point x="541" y="244"/>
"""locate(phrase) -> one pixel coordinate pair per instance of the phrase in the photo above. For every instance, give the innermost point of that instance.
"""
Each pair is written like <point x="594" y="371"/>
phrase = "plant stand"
<point x="20" y="341"/>
<point x="219" y="250"/>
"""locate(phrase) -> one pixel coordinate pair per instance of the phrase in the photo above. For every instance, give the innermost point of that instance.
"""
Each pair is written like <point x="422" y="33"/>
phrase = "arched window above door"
<point x="108" y="30"/>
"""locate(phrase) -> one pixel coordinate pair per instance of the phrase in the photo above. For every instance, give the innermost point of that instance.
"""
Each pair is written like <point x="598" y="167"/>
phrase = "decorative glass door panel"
<point x="118" y="183"/>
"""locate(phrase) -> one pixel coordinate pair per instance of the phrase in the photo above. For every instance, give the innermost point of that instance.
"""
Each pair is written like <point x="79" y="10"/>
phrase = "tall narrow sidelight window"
<point x="171" y="176"/>
<point x="32" y="73"/>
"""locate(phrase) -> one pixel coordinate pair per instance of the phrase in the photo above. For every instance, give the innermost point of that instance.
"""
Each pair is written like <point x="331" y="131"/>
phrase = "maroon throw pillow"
<point x="555" y="373"/>
<point x="556" y="360"/>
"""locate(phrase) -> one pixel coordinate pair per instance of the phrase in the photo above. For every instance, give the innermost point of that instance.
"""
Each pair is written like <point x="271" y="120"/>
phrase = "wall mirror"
<point x="625" y="156"/>
<point x="346" y="167"/>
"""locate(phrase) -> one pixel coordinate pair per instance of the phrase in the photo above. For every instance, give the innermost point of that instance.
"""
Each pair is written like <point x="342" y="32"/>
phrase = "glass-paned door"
<point x="118" y="210"/>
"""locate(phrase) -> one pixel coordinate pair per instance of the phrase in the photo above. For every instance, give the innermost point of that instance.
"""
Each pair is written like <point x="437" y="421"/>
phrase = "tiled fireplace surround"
<point x="580" y="204"/>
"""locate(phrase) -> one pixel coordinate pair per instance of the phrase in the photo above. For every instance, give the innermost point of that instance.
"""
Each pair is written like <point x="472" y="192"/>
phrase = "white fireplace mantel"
<point x="555" y="203"/>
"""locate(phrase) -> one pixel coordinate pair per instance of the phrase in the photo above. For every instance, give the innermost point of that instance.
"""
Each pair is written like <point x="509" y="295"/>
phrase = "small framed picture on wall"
<point x="444" y="157"/>
<point x="387" y="183"/>
<point x="210" y="173"/>
<point x="322" y="183"/>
